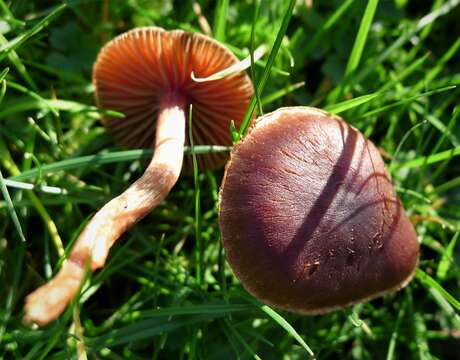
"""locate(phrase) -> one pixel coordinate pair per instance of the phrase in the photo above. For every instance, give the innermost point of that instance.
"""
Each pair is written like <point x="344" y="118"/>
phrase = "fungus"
<point x="309" y="218"/>
<point x="146" y="74"/>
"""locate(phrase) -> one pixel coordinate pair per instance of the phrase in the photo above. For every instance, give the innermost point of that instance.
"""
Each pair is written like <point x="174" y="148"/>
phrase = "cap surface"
<point x="309" y="218"/>
<point x="136" y="69"/>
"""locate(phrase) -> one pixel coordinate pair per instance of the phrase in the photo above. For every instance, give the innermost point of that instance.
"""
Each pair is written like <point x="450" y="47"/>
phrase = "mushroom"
<point x="146" y="74"/>
<point x="308" y="215"/>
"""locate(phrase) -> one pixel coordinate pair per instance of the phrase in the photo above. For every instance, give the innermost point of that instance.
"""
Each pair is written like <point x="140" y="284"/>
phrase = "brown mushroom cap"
<point x="309" y="218"/>
<point x="134" y="71"/>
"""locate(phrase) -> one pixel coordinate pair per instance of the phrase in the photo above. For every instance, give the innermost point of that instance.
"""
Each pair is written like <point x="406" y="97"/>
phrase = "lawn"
<point x="389" y="67"/>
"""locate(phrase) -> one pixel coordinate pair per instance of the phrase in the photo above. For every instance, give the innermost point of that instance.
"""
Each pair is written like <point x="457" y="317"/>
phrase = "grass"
<point x="389" y="67"/>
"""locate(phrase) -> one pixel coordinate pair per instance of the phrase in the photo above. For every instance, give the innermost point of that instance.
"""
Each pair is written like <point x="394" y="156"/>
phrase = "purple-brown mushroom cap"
<point x="309" y="218"/>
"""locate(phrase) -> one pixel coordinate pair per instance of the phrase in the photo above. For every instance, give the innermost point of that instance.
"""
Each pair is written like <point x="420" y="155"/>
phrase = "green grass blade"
<point x="286" y="326"/>
<point x="334" y="18"/>
<point x="9" y="15"/>
<point x="43" y="102"/>
<point x="448" y="131"/>
<point x="2" y="90"/>
<point x="3" y="83"/>
<point x="73" y="106"/>
<point x="220" y="18"/>
<point x="49" y="223"/>
<point x="202" y="309"/>
<point x="146" y="329"/>
<point x="240" y="339"/>
<point x="282" y="92"/>
<point x="426" y="30"/>
<point x="350" y="104"/>
<point x="400" y="76"/>
<point x="408" y="100"/>
<point x="19" y="253"/>
<point x="422" y="23"/>
<point x="447" y="258"/>
<point x="21" y="39"/>
<point x="9" y="164"/>
<point x="422" y="345"/>
<point x="403" y="140"/>
<point x="253" y="55"/>
<point x="4" y="73"/>
<point x="11" y="210"/>
<point x="281" y="322"/>
<point x="431" y="159"/>
<point x="414" y="194"/>
<point x="361" y="38"/>
<point x="446" y="307"/>
<point x="39" y="130"/>
<point x="394" y="335"/>
<point x="431" y="283"/>
<point x="54" y="105"/>
<point x="107" y="158"/>
<point x="19" y="65"/>
<point x="196" y="181"/>
<point x="436" y="70"/>
<point x="270" y="61"/>
<point x="447" y="185"/>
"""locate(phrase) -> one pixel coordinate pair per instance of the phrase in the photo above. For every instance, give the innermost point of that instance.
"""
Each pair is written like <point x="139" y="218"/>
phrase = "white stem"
<point x="47" y="302"/>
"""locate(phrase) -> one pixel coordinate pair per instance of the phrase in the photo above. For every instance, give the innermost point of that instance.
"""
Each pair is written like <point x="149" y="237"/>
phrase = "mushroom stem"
<point x="47" y="302"/>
